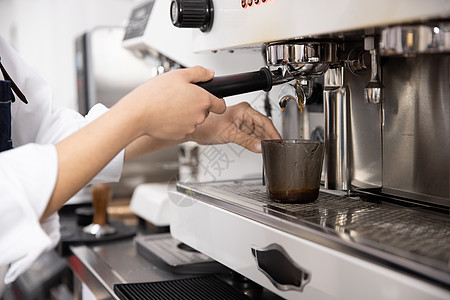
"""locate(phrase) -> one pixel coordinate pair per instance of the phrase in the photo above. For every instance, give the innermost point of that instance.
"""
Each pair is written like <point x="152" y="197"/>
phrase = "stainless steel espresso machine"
<point x="380" y="228"/>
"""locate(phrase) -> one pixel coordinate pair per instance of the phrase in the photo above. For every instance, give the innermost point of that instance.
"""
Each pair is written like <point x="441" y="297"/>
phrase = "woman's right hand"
<point x="169" y="106"/>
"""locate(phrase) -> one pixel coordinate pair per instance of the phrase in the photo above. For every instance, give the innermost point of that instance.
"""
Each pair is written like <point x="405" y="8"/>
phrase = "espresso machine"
<point x="380" y="228"/>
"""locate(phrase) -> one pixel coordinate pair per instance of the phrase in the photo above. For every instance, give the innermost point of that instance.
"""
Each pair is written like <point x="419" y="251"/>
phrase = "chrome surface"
<point x="99" y="230"/>
<point x="410" y="40"/>
<point x="374" y="91"/>
<point x="102" y="266"/>
<point x="400" y="146"/>
<point x="300" y="59"/>
<point x="358" y="61"/>
<point x="416" y="131"/>
<point x="365" y="136"/>
<point x="305" y="89"/>
<point x="300" y="53"/>
<point x="406" y="239"/>
<point x="94" y="272"/>
<point x="336" y="110"/>
<point x="294" y="93"/>
<point x="288" y="93"/>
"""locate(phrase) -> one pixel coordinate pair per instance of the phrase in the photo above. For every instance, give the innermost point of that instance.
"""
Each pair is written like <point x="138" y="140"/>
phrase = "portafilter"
<point x="286" y="61"/>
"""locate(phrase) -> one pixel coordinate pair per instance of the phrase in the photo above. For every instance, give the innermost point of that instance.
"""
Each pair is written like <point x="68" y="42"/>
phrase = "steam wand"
<point x="374" y="91"/>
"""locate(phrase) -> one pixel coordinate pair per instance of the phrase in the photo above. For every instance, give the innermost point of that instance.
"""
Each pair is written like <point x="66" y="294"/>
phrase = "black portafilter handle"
<point x="236" y="84"/>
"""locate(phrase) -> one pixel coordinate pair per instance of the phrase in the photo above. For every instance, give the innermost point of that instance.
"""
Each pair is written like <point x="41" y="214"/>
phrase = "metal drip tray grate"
<point x="405" y="232"/>
<point x="401" y="228"/>
<point x="326" y="204"/>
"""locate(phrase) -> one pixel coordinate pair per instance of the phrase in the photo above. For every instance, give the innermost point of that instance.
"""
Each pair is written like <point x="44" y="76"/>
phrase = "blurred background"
<point x="76" y="46"/>
<point x="44" y="33"/>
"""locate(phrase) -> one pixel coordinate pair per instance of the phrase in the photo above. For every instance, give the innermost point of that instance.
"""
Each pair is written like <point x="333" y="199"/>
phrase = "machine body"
<point x="380" y="227"/>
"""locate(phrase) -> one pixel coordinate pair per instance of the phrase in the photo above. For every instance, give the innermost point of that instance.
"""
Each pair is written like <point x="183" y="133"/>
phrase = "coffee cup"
<point x="292" y="169"/>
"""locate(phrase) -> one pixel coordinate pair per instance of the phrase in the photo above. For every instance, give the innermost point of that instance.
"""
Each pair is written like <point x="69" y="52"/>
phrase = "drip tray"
<point x="409" y="238"/>
<point x="198" y="288"/>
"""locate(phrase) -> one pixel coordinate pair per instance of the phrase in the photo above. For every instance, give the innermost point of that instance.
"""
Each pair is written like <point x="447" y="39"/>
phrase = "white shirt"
<point x="28" y="172"/>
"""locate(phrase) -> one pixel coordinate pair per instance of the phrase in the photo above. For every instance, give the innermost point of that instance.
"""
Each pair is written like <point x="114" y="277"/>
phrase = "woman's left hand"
<point x="240" y="124"/>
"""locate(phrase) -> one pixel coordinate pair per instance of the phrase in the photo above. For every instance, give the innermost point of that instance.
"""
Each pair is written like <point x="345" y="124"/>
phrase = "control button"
<point x="192" y="14"/>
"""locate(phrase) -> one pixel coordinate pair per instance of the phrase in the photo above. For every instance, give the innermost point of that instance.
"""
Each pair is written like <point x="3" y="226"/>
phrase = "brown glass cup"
<point x="292" y="169"/>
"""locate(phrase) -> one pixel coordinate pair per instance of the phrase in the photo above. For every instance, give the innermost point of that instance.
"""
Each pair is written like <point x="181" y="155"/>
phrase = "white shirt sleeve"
<point x="23" y="199"/>
<point x="35" y="122"/>
<point x="28" y="172"/>
<point x="63" y="122"/>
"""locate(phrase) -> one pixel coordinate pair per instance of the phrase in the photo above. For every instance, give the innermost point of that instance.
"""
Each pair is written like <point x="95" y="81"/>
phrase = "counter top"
<point x="102" y="266"/>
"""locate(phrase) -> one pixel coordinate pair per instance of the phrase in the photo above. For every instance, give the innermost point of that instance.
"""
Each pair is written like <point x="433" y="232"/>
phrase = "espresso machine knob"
<point x="192" y="14"/>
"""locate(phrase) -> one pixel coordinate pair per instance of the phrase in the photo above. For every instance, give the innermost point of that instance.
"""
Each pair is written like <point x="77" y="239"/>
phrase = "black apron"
<point x="5" y="115"/>
<point x="6" y="98"/>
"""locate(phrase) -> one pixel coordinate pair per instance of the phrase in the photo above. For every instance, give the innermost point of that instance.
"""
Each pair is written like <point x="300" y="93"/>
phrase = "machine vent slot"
<point x="198" y="288"/>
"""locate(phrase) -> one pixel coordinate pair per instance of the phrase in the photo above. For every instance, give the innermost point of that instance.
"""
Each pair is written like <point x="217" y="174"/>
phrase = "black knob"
<point x="192" y="14"/>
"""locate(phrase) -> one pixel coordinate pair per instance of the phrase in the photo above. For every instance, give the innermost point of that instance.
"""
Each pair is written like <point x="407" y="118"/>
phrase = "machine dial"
<point x="192" y="14"/>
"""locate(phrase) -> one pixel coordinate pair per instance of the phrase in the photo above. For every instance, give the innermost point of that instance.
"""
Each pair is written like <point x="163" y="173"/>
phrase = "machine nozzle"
<point x="299" y="92"/>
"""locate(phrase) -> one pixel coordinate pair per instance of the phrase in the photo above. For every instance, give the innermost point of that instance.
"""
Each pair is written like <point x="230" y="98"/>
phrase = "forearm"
<point x="147" y="144"/>
<point x="167" y="107"/>
<point x="85" y="153"/>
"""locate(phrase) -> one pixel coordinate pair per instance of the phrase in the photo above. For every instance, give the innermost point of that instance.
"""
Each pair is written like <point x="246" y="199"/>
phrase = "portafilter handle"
<point x="230" y="85"/>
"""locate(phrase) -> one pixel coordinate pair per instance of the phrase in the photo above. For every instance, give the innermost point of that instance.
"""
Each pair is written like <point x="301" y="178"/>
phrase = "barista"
<point x="56" y="153"/>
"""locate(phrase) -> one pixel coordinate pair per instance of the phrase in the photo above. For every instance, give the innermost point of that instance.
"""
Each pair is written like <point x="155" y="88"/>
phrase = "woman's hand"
<point x="240" y="124"/>
<point x="169" y="106"/>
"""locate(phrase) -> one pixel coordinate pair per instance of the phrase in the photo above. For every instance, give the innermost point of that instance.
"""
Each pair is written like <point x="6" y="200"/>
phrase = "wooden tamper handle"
<point x="101" y="194"/>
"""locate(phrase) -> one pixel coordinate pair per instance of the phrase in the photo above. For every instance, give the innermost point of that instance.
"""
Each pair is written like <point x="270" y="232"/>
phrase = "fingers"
<point x="197" y="74"/>
<point x="200" y="74"/>
<point x="218" y="106"/>
<point x="251" y="143"/>
<point x="258" y="125"/>
<point x="252" y="127"/>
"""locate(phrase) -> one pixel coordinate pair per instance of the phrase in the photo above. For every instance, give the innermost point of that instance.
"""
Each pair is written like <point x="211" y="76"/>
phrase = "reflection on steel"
<point x="298" y="54"/>
<point x="336" y="109"/>
<point x="416" y="117"/>
<point x="300" y="60"/>
<point x="374" y="91"/>
<point x="410" y="40"/>
<point x="99" y="230"/>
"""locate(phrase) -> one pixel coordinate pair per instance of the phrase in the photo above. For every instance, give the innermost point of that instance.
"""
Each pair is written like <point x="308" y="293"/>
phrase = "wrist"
<point x="133" y="117"/>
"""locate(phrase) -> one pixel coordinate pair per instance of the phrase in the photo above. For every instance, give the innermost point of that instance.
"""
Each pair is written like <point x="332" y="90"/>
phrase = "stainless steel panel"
<point x="416" y="145"/>
<point x="365" y="136"/>
<point x="336" y="109"/>
<point x="101" y="267"/>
